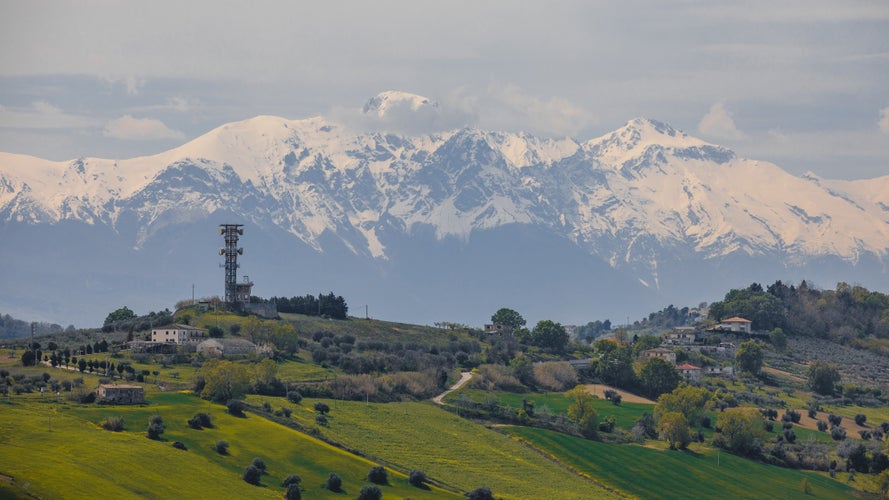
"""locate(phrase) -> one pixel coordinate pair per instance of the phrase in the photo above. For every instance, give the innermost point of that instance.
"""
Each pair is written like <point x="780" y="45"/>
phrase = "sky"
<point x="800" y="83"/>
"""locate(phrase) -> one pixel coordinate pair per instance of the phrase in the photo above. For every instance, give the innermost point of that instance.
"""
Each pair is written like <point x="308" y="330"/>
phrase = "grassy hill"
<point x="50" y="447"/>
<point x="660" y="473"/>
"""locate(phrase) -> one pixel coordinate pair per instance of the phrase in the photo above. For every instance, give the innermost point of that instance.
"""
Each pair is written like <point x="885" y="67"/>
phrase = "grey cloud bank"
<point x="802" y="84"/>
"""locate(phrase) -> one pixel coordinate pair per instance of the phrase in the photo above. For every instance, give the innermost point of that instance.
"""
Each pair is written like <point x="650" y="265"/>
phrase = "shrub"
<point x="768" y="425"/>
<point x="835" y="420"/>
<point x="417" y="478"/>
<point x="293" y="492"/>
<point x="179" y="445"/>
<point x="322" y="408"/>
<point x="555" y="376"/>
<point x="294" y="397"/>
<point x="480" y="493"/>
<point x="236" y="407"/>
<point x="222" y="447"/>
<point x="866" y="435"/>
<point x="813" y="413"/>
<point x="113" y="424"/>
<point x="259" y="464"/>
<point x="616" y="399"/>
<point x="792" y="416"/>
<point x="285" y="412"/>
<point x="822" y="425"/>
<point x="334" y="483"/>
<point x="860" y="419"/>
<point x="838" y="434"/>
<point x="321" y="420"/>
<point x="291" y="479"/>
<point x="789" y="436"/>
<point x="378" y="475"/>
<point x="369" y="492"/>
<point x="155" y="427"/>
<point x="252" y="475"/>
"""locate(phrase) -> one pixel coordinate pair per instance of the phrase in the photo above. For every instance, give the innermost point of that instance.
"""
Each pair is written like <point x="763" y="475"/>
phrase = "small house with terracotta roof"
<point x="736" y="324"/>
<point x="689" y="372"/>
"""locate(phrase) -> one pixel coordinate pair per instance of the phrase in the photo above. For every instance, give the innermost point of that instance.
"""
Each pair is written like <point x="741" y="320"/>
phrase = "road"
<point x="464" y="377"/>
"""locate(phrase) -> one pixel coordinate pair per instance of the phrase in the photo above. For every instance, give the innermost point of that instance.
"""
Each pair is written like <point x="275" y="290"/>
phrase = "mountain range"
<point x="423" y="227"/>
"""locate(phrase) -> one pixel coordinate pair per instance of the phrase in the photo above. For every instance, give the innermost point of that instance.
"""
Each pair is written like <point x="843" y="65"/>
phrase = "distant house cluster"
<point x="687" y="338"/>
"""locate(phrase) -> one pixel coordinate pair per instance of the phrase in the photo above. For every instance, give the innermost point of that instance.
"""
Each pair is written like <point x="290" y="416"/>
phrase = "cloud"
<point x="140" y="129"/>
<point x="718" y="123"/>
<point x="884" y="120"/>
<point x="43" y="115"/>
<point x="553" y="116"/>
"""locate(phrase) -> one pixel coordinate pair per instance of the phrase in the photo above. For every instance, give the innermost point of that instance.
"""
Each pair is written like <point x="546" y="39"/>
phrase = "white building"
<point x="736" y="324"/>
<point x="179" y="334"/>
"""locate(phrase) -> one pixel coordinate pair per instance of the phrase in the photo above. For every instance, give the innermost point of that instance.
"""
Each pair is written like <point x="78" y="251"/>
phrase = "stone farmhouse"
<point x="659" y="352"/>
<point x="121" y="394"/>
<point x="226" y="347"/>
<point x="689" y="372"/>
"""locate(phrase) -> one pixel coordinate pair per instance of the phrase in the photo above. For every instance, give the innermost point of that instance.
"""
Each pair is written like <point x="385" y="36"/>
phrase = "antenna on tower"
<point x="230" y="233"/>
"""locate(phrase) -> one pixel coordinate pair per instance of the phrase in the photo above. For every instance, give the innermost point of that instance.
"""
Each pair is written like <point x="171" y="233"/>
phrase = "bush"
<point x="555" y="376"/>
<point x="252" y="475"/>
<point x="860" y="419"/>
<point x="199" y="421"/>
<point x="822" y="425"/>
<point x="294" y="397"/>
<point x="768" y="425"/>
<point x="293" y="492"/>
<point x="835" y="420"/>
<point x="334" y="483"/>
<point x="321" y="420"/>
<point x="369" y="492"/>
<point x="378" y="475"/>
<point x="789" y="436"/>
<point x="222" y="447"/>
<point x="417" y="478"/>
<point x="838" y="434"/>
<point x="259" y="464"/>
<point x="155" y="427"/>
<point x="322" y="408"/>
<point x="236" y="407"/>
<point x="113" y="424"/>
<point x="291" y="479"/>
<point x="179" y="445"/>
<point x="480" y="493"/>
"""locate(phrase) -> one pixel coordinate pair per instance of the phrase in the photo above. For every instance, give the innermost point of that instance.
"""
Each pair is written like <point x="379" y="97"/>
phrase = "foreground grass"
<point x="454" y="451"/>
<point x="79" y="459"/>
<point x="660" y="473"/>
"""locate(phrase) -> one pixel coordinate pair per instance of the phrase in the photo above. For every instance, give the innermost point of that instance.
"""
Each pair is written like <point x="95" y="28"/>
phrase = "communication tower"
<point x="230" y="233"/>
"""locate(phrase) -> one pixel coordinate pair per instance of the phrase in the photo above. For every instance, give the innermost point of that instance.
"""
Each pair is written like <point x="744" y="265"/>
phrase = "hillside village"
<point x="794" y="411"/>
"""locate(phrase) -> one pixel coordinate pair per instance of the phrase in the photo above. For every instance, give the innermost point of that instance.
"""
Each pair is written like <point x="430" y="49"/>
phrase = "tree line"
<point x="842" y="314"/>
<point x="330" y="305"/>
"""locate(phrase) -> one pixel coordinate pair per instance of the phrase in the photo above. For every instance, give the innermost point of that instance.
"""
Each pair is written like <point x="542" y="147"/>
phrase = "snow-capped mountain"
<point x="644" y="204"/>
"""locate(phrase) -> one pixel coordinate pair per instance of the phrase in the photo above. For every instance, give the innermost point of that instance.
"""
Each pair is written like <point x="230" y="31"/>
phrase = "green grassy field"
<point x="457" y="452"/>
<point x="50" y="449"/>
<point x="660" y="473"/>
<point x="625" y="414"/>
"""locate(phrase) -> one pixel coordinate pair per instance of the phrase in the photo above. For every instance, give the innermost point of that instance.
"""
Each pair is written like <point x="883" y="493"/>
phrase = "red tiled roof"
<point x="687" y="366"/>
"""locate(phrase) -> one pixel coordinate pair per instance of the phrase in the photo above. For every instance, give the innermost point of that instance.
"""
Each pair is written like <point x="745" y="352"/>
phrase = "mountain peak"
<point x="384" y="102"/>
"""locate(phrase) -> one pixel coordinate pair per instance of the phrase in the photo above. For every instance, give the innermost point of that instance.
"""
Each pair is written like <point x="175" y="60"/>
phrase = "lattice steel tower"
<point x="230" y="233"/>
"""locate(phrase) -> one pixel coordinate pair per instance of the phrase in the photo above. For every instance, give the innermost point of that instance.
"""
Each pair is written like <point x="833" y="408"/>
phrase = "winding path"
<point x="464" y="377"/>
